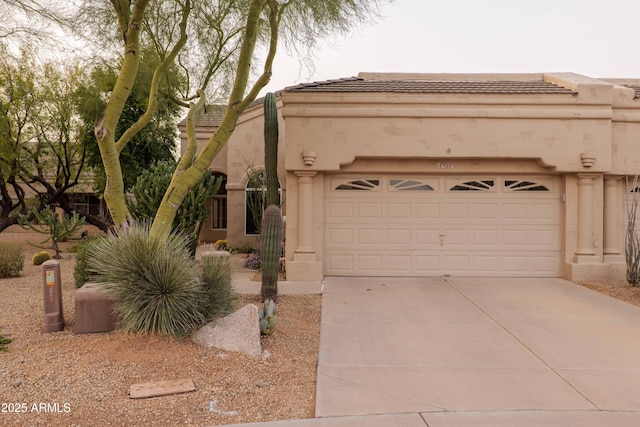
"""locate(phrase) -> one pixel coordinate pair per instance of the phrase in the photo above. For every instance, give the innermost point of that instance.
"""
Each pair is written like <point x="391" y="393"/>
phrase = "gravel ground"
<point x="620" y="290"/>
<point x="62" y="379"/>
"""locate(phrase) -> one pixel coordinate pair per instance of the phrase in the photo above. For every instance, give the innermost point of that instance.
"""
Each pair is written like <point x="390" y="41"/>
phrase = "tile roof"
<point x="211" y="116"/>
<point x="357" y="84"/>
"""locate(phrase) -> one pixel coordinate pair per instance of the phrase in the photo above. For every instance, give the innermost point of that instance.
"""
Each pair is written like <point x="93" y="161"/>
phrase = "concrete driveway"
<point x="453" y="348"/>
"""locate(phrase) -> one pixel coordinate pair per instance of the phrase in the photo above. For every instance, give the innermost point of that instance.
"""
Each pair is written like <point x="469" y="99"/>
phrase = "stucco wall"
<point x="543" y="134"/>
<point x="502" y="133"/>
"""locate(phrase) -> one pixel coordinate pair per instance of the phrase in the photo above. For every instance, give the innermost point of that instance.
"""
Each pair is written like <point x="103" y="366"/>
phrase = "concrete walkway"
<point x="474" y="352"/>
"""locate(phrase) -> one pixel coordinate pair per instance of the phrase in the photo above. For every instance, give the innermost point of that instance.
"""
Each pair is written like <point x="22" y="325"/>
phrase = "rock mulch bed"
<point x="62" y="379"/>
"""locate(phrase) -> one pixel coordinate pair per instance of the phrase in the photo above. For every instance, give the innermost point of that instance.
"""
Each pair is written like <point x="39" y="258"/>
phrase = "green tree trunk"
<point x="106" y="125"/>
<point x="188" y="173"/>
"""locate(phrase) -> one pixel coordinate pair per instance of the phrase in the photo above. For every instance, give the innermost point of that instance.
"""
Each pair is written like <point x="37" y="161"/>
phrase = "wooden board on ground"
<point x="161" y="388"/>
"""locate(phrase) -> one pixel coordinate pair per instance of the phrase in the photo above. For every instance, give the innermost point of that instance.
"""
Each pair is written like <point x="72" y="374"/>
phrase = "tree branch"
<point x="152" y="107"/>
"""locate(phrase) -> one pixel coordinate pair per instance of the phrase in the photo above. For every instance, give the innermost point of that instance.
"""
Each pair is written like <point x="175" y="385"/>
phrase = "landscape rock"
<point x="239" y="331"/>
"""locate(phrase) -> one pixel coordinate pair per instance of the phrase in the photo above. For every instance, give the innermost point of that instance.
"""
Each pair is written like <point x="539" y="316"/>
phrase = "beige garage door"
<point x="429" y="226"/>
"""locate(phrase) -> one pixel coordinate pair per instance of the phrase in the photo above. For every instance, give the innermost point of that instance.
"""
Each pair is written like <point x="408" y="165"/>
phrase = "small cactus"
<point x="220" y="245"/>
<point x="268" y="317"/>
<point x="40" y="257"/>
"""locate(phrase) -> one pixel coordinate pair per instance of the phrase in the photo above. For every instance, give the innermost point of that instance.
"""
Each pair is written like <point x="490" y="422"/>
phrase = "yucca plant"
<point x="219" y="298"/>
<point x="153" y="280"/>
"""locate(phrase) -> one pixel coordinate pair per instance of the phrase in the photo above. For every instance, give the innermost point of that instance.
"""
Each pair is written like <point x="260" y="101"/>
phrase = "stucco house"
<point x="513" y="175"/>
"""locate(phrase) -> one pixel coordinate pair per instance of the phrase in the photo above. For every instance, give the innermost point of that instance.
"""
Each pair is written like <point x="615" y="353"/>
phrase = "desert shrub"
<point x="11" y="259"/>
<point x="254" y="262"/>
<point x="219" y="297"/>
<point x="243" y="249"/>
<point x="39" y="257"/>
<point x="80" y="270"/>
<point x="153" y="280"/>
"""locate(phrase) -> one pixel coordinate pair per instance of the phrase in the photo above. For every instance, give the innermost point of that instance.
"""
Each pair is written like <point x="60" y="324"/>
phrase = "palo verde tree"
<point x="155" y="143"/>
<point x="30" y="20"/>
<point x="236" y="31"/>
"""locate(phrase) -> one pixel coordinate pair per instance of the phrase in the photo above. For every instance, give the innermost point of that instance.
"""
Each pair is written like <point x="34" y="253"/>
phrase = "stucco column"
<point x="611" y="203"/>
<point x="585" y="216"/>
<point x="305" y="212"/>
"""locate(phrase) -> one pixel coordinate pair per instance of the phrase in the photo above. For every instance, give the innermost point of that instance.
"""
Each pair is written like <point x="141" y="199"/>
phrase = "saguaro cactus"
<point x="271" y="249"/>
<point x="271" y="148"/>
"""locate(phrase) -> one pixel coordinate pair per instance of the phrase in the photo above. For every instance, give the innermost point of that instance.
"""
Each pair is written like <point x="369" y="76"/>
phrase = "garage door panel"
<point x="514" y="238"/>
<point x="544" y="264"/>
<point x="495" y="227"/>
<point x="544" y="239"/>
<point x="340" y="263"/>
<point x="429" y="264"/>
<point x="544" y="211"/>
<point x="369" y="262"/>
<point x="399" y="263"/>
<point x="369" y="210"/>
<point x="515" y="263"/>
<point x="424" y="211"/>
<point x="486" y="263"/>
<point x="514" y="211"/>
<point x="456" y="211"/>
<point x="427" y="238"/>
<point x="399" y="236"/>
<point x="454" y="238"/>
<point x="486" y="238"/>
<point x="339" y="237"/>
<point x="340" y="210"/>
<point x="456" y="263"/>
<point x="368" y="236"/>
<point x="485" y="211"/>
<point x="398" y="210"/>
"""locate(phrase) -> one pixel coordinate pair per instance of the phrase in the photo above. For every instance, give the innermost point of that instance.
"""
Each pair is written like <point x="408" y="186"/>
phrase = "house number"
<point x="444" y="165"/>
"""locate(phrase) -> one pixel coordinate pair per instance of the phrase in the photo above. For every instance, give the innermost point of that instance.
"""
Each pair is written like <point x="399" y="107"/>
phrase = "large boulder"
<point x="239" y="331"/>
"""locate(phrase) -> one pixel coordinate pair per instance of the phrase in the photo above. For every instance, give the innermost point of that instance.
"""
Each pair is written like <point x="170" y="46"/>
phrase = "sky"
<point x="597" y="38"/>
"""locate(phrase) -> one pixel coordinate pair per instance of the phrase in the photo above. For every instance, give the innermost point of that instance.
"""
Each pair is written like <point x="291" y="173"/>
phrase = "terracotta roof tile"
<point x="211" y="116"/>
<point x="356" y="84"/>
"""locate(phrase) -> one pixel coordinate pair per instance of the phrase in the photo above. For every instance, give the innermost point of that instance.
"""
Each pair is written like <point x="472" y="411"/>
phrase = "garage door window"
<point x="474" y="186"/>
<point x="409" y="185"/>
<point x="360" y="184"/>
<point x="524" y="186"/>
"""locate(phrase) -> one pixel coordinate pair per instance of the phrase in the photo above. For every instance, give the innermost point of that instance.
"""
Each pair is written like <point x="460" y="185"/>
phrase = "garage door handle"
<point x="441" y="239"/>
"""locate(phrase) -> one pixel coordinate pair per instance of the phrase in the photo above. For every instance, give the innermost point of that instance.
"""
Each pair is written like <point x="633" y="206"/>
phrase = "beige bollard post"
<point x="52" y="286"/>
